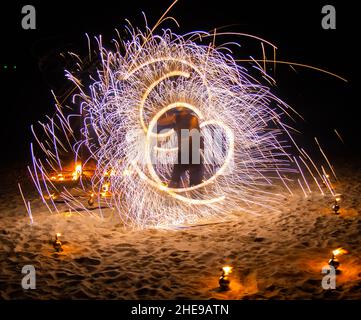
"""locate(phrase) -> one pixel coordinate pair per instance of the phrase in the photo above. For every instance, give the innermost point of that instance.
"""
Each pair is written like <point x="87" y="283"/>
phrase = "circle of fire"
<point x="146" y="78"/>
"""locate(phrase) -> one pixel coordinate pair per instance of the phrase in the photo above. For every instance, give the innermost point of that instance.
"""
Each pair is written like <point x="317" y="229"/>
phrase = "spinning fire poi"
<point x="140" y="86"/>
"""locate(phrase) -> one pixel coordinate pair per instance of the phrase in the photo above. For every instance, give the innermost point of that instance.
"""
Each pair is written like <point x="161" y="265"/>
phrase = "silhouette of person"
<point x="190" y="146"/>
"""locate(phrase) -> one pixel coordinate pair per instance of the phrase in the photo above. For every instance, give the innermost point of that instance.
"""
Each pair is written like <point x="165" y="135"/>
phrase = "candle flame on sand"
<point x="75" y="175"/>
<point x="227" y="270"/>
<point x="339" y="251"/>
<point x="77" y="172"/>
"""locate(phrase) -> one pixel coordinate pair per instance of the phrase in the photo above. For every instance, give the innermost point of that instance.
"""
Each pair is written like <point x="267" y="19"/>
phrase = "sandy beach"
<point x="274" y="256"/>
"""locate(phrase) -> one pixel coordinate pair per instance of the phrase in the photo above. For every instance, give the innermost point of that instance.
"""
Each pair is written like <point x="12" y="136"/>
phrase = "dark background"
<point x="30" y="65"/>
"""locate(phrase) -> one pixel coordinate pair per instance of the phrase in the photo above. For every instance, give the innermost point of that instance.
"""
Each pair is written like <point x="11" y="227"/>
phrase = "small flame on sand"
<point x="77" y="172"/>
<point x="227" y="270"/>
<point x="339" y="251"/>
<point x="58" y="234"/>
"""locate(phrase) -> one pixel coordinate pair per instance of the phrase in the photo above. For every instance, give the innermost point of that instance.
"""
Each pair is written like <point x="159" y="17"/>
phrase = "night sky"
<point x="30" y="66"/>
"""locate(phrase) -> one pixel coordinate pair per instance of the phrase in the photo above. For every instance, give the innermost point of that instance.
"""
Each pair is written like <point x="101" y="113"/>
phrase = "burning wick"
<point x="336" y="206"/>
<point x="224" y="281"/>
<point x="57" y="243"/>
<point x="334" y="262"/>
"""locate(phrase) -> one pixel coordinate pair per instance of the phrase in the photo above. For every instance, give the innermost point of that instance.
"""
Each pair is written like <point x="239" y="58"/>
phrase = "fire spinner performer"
<point x="190" y="147"/>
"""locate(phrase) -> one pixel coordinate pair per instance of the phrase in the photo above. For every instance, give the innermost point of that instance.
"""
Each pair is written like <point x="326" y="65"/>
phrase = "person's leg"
<point x="178" y="172"/>
<point x="196" y="174"/>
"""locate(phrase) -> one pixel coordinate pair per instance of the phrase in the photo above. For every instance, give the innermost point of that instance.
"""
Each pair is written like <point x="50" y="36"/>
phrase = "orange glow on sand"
<point x="350" y="268"/>
<point x="68" y="175"/>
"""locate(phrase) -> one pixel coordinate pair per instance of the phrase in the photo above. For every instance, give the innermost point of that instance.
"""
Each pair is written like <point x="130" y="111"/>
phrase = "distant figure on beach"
<point x="190" y="146"/>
